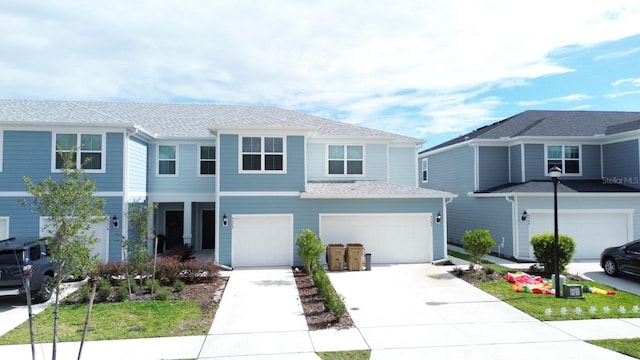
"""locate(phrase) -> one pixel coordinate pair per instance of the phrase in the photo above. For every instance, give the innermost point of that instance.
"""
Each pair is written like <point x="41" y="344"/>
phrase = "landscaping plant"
<point x="310" y="249"/>
<point x="543" y="249"/>
<point x="478" y="244"/>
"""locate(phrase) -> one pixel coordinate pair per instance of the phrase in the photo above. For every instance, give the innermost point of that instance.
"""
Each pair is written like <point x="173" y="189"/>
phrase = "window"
<point x="262" y="153"/>
<point x="87" y="149"/>
<point x="207" y="160"/>
<point x="566" y="157"/>
<point x="167" y="160"/>
<point x="425" y="170"/>
<point x="346" y="160"/>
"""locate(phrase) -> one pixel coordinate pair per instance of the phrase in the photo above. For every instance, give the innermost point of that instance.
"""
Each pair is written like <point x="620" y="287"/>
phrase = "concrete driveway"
<point x="593" y="271"/>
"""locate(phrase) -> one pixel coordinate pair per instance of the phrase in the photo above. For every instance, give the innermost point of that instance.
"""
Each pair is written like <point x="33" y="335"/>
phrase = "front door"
<point x="174" y="228"/>
<point x="208" y="229"/>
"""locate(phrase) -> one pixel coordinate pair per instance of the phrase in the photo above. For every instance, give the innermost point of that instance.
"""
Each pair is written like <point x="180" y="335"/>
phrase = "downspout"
<point x="514" y="225"/>
<point x="445" y="234"/>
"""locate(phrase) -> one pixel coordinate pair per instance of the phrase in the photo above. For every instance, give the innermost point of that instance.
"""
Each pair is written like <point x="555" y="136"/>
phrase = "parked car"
<point x="22" y="259"/>
<point x="623" y="259"/>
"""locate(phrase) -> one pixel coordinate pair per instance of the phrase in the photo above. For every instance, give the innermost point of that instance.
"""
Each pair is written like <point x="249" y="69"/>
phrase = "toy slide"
<point x="523" y="282"/>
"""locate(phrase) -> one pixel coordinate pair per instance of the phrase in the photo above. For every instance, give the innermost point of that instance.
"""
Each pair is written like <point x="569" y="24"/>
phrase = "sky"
<point x="429" y="69"/>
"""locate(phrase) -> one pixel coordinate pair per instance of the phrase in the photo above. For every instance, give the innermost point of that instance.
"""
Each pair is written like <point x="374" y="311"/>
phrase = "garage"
<point x="100" y="230"/>
<point x="592" y="231"/>
<point x="262" y="240"/>
<point x="390" y="238"/>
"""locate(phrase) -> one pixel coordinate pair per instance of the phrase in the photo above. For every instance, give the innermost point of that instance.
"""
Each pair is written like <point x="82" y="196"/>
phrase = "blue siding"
<point x="232" y="180"/>
<point x="187" y="179"/>
<point x="516" y="163"/>
<point x="112" y="179"/>
<point x="138" y="155"/>
<point x="591" y="165"/>
<point x="534" y="162"/>
<point x="316" y="162"/>
<point x="306" y="214"/>
<point x="25" y="153"/>
<point x="402" y="166"/>
<point x="451" y="171"/>
<point x="621" y="163"/>
<point x="375" y="163"/>
<point x="493" y="166"/>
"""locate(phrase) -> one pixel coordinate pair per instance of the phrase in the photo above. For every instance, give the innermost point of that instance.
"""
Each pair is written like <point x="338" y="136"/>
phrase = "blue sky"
<point x="428" y="69"/>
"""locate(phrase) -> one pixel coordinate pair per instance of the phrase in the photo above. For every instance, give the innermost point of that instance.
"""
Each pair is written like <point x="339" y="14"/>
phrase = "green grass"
<point x="485" y="263"/>
<point x="345" y="355"/>
<point x="629" y="347"/>
<point x="127" y="320"/>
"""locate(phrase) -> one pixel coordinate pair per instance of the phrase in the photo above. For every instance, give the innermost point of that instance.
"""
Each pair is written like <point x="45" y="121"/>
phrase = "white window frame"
<point x="177" y="169"/>
<point x="346" y="160"/>
<point x="424" y="170"/>
<point x="563" y="159"/>
<point x="200" y="160"/>
<point x="263" y="153"/>
<point x="79" y="151"/>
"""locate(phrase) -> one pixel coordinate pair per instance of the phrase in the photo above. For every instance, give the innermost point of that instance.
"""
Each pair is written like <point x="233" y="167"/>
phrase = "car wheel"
<point x="44" y="294"/>
<point x="610" y="267"/>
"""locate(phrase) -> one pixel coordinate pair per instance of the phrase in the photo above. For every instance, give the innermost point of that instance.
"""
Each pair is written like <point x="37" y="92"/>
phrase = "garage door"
<point x="262" y="240"/>
<point x="390" y="238"/>
<point x="100" y="230"/>
<point x="592" y="232"/>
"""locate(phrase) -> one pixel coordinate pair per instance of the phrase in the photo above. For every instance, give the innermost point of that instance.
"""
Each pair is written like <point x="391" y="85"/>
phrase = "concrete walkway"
<point x="400" y="312"/>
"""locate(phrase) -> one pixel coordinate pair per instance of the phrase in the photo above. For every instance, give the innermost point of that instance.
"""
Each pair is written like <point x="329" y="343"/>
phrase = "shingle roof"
<point x="564" y="186"/>
<point x="179" y="120"/>
<point x="368" y="189"/>
<point x="553" y="123"/>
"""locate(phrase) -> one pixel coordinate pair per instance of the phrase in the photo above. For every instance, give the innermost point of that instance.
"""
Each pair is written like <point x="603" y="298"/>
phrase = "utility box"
<point x="355" y="257"/>
<point x="572" y="291"/>
<point x="335" y="257"/>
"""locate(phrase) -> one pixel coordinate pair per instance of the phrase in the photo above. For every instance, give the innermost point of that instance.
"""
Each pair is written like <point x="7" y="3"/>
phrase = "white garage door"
<point x="592" y="232"/>
<point x="390" y="238"/>
<point x="262" y="240"/>
<point x="99" y="230"/>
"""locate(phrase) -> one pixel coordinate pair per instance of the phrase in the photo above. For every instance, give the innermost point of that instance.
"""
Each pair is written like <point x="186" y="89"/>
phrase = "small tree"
<point x="478" y="244"/>
<point x="136" y="245"/>
<point x="543" y="249"/>
<point x="310" y="249"/>
<point x="70" y="206"/>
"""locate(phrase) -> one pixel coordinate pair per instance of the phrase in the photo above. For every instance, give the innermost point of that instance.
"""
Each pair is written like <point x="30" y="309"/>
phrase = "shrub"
<point x="543" y="249"/>
<point x="478" y="244"/>
<point x="112" y="271"/>
<point x="122" y="294"/>
<point x="178" y="286"/>
<point x="310" y="249"/>
<point x="103" y="290"/>
<point x="163" y="294"/>
<point x="330" y="298"/>
<point x="170" y="269"/>
<point x="151" y="285"/>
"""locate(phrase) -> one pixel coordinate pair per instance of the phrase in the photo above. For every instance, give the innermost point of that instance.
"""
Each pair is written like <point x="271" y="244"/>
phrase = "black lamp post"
<point x="554" y="173"/>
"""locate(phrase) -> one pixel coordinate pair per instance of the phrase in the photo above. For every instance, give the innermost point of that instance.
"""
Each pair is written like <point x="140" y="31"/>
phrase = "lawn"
<point x="125" y="320"/>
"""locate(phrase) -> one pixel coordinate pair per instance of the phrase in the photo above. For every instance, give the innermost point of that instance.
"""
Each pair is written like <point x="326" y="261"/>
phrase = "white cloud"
<point x="428" y="60"/>
<point x="561" y="99"/>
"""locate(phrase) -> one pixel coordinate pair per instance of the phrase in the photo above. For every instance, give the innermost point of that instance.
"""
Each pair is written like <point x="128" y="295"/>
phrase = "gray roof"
<point x="179" y="120"/>
<point x="564" y="186"/>
<point x="368" y="189"/>
<point x="553" y="123"/>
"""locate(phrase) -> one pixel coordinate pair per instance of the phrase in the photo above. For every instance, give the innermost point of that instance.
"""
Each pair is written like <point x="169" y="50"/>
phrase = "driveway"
<point x="593" y="271"/>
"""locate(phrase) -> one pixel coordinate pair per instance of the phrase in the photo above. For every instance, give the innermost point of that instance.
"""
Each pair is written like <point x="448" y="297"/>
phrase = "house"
<point x="501" y="172"/>
<point x="239" y="180"/>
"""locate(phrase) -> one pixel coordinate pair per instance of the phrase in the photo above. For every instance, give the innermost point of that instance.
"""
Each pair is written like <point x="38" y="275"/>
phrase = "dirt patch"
<point x="317" y="315"/>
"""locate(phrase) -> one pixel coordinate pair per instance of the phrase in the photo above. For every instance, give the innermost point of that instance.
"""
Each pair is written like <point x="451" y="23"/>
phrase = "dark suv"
<point x="21" y="259"/>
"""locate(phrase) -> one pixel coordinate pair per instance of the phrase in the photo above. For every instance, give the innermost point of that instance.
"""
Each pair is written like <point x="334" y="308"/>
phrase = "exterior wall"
<point x="402" y="166"/>
<point x="187" y="179"/>
<point x="515" y="164"/>
<point x="534" y="162"/>
<point x="232" y="180"/>
<point x="307" y="214"/>
<point x="591" y="164"/>
<point x="621" y="163"/>
<point x="451" y="171"/>
<point x="138" y="165"/>
<point x="493" y="166"/>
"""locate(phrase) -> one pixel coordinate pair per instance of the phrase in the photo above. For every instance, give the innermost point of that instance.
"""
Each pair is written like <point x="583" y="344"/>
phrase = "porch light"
<point x="115" y="222"/>
<point x="438" y="218"/>
<point x="524" y="216"/>
<point x="225" y="221"/>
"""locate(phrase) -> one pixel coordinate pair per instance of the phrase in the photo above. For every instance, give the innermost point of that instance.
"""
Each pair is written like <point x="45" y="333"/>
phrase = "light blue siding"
<point x="591" y="165"/>
<point x="534" y="162"/>
<point x="306" y="214"/>
<point x="402" y="167"/>
<point x="493" y="166"/>
<point x="25" y="153"/>
<point x="621" y="163"/>
<point x="451" y="171"/>
<point x="187" y="179"/>
<point x="232" y="180"/>
<point x="516" y="163"/>
<point x="316" y="161"/>
<point x="138" y="155"/>
<point x="376" y="162"/>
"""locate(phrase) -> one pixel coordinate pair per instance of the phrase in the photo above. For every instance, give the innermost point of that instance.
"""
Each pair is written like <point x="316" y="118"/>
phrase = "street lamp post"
<point x="554" y="173"/>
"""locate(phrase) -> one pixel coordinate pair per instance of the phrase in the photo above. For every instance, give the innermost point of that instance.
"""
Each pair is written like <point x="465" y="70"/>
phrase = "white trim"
<point x="550" y="194"/>
<point x="177" y="169"/>
<point x="563" y="159"/>
<point x="581" y="211"/>
<point x="216" y="205"/>
<point x="375" y="196"/>
<point x="476" y="168"/>
<point x="422" y="170"/>
<point x="7" y="221"/>
<point x="258" y="193"/>
<point x="200" y="159"/>
<point x="345" y="160"/>
<point x="523" y="167"/>
<point x="78" y="151"/>
<point x="263" y="154"/>
<point x="180" y="197"/>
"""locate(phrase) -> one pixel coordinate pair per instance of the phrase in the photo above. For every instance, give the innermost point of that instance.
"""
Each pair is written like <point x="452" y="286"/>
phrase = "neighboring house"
<point x="240" y="180"/>
<point x="500" y="172"/>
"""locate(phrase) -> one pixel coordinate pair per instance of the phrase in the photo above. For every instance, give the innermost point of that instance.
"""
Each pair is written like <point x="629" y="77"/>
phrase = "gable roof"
<point x="548" y="123"/>
<point x="163" y="120"/>
<point x="564" y="186"/>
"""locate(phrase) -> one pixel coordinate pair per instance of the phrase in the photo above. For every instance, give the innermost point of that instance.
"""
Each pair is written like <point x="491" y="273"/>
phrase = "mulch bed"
<point x="317" y="315"/>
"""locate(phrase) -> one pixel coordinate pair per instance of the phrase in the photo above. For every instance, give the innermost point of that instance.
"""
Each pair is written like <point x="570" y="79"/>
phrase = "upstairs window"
<point x="167" y="160"/>
<point x="88" y="150"/>
<point x="346" y="160"/>
<point x="207" y="160"/>
<point x="566" y="157"/>
<point x="262" y="154"/>
<point x="425" y="170"/>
